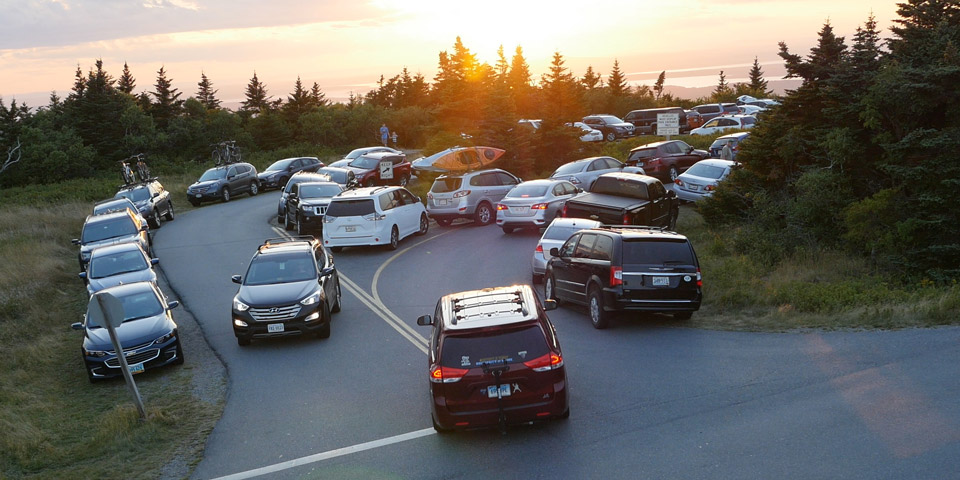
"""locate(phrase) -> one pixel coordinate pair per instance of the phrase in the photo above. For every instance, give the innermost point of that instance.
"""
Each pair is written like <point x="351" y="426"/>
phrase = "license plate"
<point x="199" y="195"/>
<point x="275" y="327"/>
<point x="694" y="187"/>
<point x="350" y="228"/>
<point x="661" y="281"/>
<point x="442" y="202"/>
<point x="504" y="390"/>
<point x="519" y="209"/>
<point x="135" y="369"/>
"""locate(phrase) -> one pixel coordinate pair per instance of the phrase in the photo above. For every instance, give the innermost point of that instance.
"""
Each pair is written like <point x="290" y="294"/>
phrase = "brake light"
<point x="626" y="218"/>
<point x="501" y="206"/>
<point x="539" y="206"/>
<point x="550" y="361"/>
<point x="678" y="182"/>
<point x="710" y="188"/>
<point x="429" y="195"/>
<point x="564" y="212"/>
<point x="539" y="248"/>
<point x="616" y="276"/>
<point x="441" y="374"/>
<point x="461" y="193"/>
<point x="373" y="216"/>
<point x="699" y="278"/>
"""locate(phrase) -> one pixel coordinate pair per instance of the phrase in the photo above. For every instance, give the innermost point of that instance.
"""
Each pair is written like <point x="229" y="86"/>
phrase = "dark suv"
<point x="277" y="174"/>
<point x="295" y="179"/>
<point x="665" y="160"/>
<point x="626" y="268"/>
<point x="306" y="205"/>
<point x="494" y="359"/>
<point x="610" y="126"/>
<point x="223" y="183"/>
<point x="290" y="288"/>
<point x="645" y="120"/>
<point x="151" y="199"/>
<point x="381" y="168"/>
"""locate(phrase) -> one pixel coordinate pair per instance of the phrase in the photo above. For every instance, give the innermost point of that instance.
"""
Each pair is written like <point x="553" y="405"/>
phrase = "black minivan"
<point x="621" y="268"/>
<point x="645" y="121"/>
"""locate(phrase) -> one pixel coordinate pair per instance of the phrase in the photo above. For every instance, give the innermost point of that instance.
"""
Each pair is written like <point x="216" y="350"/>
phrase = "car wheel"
<point x="424" y="224"/>
<point x="673" y="174"/>
<point x="443" y="222"/>
<point x="169" y="215"/>
<point x="550" y="288"/>
<point x="324" y="331"/>
<point x="336" y="305"/>
<point x="286" y="223"/>
<point x="484" y="214"/>
<point x="243" y="341"/>
<point x="225" y="195"/>
<point x="507" y="230"/>
<point x="179" y="360"/>
<point x="254" y="188"/>
<point x="195" y="203"/>
<point x="610" y="136"/>
<point x="598" y="317"/>
<point x="156" y="221"/>
<point x="394" y="238"/>
<point x="682" y="315"/>
<point x="673" y="220"/>
<point x="404" y="180"/>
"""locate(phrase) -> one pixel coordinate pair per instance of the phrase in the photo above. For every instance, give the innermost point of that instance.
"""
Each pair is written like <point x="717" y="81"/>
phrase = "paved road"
<point x="646" y="401"/>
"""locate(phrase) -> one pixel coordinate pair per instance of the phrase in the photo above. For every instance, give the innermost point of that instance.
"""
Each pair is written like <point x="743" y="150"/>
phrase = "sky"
<point x="346" y="45"/>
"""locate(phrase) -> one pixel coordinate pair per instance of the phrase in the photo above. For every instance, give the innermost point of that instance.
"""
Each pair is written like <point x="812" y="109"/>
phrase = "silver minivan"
<point x="469" y="195"/>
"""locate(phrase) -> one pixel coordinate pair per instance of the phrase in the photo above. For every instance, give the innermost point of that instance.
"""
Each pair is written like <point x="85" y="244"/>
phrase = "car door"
<point x="561" y="266"/>
<point x="411" y="212"/>
<point x="582" y="267"/>
<point x="659" y="204"/>
<point x="558" y="195"/>
<point x="505" y="183"/>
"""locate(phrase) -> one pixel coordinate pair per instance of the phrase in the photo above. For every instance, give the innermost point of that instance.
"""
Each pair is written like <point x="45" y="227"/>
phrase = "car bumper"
<point x="310" y="222"/>
<point x="539" y="264"/>
<point x="149" y="357"/>
<point x="689" y="196"/>
<point x="452" y="212"/>
<point x="308" y="320"/>
<point x="202" y="196"/>
<point x="269" y="182"/>
<point x="357" y="241"/>
<point x="554" y="407"/>
<point x="613" y="300"/>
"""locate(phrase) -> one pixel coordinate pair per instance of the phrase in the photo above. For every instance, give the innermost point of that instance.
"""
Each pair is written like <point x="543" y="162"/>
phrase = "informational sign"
<point x="386" y="170"/>
<point x="106" y="311"/>
<point x="668" y="124"/>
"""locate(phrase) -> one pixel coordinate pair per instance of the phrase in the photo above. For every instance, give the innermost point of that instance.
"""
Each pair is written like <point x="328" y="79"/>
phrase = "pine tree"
<point x="521" y="90"/>
<point x="298" y="102"/>
<point x="79" y="84"/>
<point x="757" y="85"/>
<point x="166" y="104"/>
<point x="617" y="82"/>
<point x="256" y="100"/>
<point x="502" y="67"/>
<point x="722" y="89"/>
<point x="126" y="83"/>
<point x="317" y="97"/>
<point x="206" y="94"/>
<point x="658" y="87"/>
<point x="590" y="79"/>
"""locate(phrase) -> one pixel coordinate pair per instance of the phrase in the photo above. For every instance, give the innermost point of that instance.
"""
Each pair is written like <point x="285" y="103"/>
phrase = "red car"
<point x="665" y="160"/>
<point x="381" y="168"/>
<point x="494" y="360"/>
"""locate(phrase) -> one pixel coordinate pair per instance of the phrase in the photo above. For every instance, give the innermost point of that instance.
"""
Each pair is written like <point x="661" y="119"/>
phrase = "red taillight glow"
<point x="626" y="219"/>
<point x="539" y="248"/>
<point x="678" y="182"/>
<point x="710" y="188"/>
<point x="447" y="374"/>
<point x="539" y="206"/>
<point x="616" y="276"/>
<point x="501" y="206"/>
<point x="564" y="212"/>
<point x="699" y="278"/>
<point x="549" y="361"/>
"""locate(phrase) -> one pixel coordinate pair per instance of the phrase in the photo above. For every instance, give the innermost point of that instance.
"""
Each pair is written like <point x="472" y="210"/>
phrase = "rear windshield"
<point x="117" y="264"/>
<point x="281" y="268"/>
<point x="640" y="154"/>
<point x="706" y="171"/>
<point x="448" y="184"/>
<point x="493" y="348"/>
<point x="350" y="208"/>
<point x="527" y="191"/>
<point x="136" y="195"/>
<point x="569" y="168"/>
<point x="562" y="233"/>
<point x="667" y="252"/>
<point x="112" y="207"/>
<point x="620" y="188"/>
<point x="117" y="227"/>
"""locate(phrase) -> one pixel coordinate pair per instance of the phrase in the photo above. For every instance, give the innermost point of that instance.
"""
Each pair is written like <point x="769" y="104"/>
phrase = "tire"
<point x="682" y="315"/>
<point x="673" y="173"/>
<point x="324" y="331"/>
<point x="673" y="220"/>
<point x="598" y="317"/>
<point x="243" y="341"/>
<point x="156" y="221"/>
<point x="336" y="306"/>
<point x="179" y="360"/>
<point x="484" y="214"/>
<point x="254" y="188"/>
<point x="169" y="215"/>
<point x="286" y="223"/>
<point x="225" y="194"/>
<point x="550" y="288"/>
<point x="507" y="230"/>
<point x="610" y="136"/>
<point x="424" y="224"/>
<point x="443" y="222"/>
<point x="394" y="238"/>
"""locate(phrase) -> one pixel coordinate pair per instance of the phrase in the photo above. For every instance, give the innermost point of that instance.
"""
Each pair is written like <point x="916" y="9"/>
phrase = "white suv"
<point x="373" y="216"/>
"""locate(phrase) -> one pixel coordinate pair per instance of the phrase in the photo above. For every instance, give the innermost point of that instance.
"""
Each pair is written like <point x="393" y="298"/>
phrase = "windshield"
<point x="281" y="268"/>
<point x="356" y="153"/>
<point x="365" y="162"/>
<point x="667" y="252"/>
<point x="350" y="208"/>
<point x="317" y="191"/>
<point x="620" y="187"/>
<point x="279" y="165"/>
<point x="608" y="119"/>
<point x="446" y="184"/>
<point x="102" y="230"/>
<point x="135" y="306"/>
<point x="569" y="168"/>
<point x="212" y="174"/>
<point x="527" y="191"/>
<point x="706" y="171"/>
<point x="497" y="347"/>
<point x="137" y="195"/>
<point x="102" y="266"/>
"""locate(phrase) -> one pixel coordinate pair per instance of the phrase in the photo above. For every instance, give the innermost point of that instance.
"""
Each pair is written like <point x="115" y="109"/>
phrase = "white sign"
<point x="668" y="124"/>
<point x="104" y="309"/>
<point x="386" y="170"/>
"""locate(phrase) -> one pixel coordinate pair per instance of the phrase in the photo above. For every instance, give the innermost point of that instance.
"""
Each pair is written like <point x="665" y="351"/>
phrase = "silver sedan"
<point x="558" y="232"/>
<point x="585" y="171"/>
<point x="533" y="204"/>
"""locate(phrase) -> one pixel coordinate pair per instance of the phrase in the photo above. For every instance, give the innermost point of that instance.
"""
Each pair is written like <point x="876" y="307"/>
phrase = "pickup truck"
<point x="626" y="199"/>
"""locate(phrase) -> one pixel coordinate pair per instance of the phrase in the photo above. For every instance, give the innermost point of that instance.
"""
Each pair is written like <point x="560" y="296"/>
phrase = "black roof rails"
<point x="457" y="307"/>
<point x="281" y="240"/>
<point x="634" y="227"/>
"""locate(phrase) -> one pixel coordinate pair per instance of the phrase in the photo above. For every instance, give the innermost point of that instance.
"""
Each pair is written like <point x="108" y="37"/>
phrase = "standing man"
<point x="384" y="134"/>
<point x="727" y="152"/>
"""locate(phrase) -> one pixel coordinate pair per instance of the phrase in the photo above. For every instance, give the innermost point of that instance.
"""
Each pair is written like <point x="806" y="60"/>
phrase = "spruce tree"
<point x="298" y="102"/>
<point x="617" y="82"/>
<point x="722" y="90"/>
<point x="590" y="79"/>
<point x="658" y="87"/>
<point x="166" y="100"/>
<point x="206" y="94"/>
<point x="126" y="83"/>
<point x="256" y="100"/>
<point x="757" y="86"/>
<point x="317" y="97"/>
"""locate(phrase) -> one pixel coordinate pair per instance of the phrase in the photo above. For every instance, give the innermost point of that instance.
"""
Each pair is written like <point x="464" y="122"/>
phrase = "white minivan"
<point x="373" y="216"/>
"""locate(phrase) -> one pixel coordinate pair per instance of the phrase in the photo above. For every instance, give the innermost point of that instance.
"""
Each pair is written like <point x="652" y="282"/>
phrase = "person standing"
<point x="727" y="152"/>
<point x="384" y="134"/>
<point x="393" y="138"/>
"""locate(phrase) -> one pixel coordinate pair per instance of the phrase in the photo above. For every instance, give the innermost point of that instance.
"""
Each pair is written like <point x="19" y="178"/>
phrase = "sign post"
<point x="106" y="310"/>
<point x="668" y="124"/>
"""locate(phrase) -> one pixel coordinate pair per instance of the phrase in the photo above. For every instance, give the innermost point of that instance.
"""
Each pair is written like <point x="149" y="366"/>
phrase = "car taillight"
<point x="441" y="374"/>
<point x="710" y="188"/>
<point x="616" y="276"/>
<point x="461" y="193"/>
<point x="678" y="182"/>
<point x="539" y="248"/>
<point x="699" y="278"/>
<point x="374" y="216"/>
<point x="539" y="206"/>
<point x="626" y="218"/>
<point x="564" y="212"/>
<point x="550" y="361"/>
<point x="501" y="206"/>
<point x="429" y="195"/>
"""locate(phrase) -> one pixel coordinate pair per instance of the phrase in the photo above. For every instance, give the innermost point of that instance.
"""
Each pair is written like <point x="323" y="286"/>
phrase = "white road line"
<point x="376" y="275"/>
<point x="390" y="316"/>
<point x="328" y="455"/>
<point x="416" y="340"/>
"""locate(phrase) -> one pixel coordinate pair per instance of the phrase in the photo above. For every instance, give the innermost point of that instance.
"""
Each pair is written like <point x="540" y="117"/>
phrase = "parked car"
<point x="716" y="148"/>
<point x="533" y="204"/>
<point x="344" y="176"/>
<point x="727" y="122"/>
<point x="665" y="160"/>
<point x="357" y="152"/>
<point x="711" y="110"/>
<point x="645" y="120"/>
<point x="494" y="359"/>
<point x="559" y="230"/>
<point x="611" y="126"/>
<point x="306" y="204"/>
<point x="117" y="205"/>
<point x="291" y="287"/>
<point x="148" y="328"/>
<point x="618" y="268"/>
<point x="469" y="195"/>
<point x="582" y="173"/>
<point x="109" y="229"/>
<point x="373" y="216"/>
<point x="151" y="199"/>
<point x="694" y="119"/>
<point x="702" y="179"/>
<point x="381" y="168"/>
<point x="223" y="182"/>
<point x="118" y="264"/>
<point x="277" y="174"/>
<point x="626" y="199"/>
<point x="295" y="179"/>
<point x="589" y="134"/>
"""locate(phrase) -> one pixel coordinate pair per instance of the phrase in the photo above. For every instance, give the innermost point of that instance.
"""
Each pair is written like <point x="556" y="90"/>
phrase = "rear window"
<point x="706" y="171"/>
<point x="350" y="208"/>
<point x="136" y="195"/>
<point x="493" y="348"/>
<point x="641" y="154"/>
<point x="621" y="188"/>
<point x="448" y="184"/>
<point x="660" y="251"/>
<point x="527" y="191"/>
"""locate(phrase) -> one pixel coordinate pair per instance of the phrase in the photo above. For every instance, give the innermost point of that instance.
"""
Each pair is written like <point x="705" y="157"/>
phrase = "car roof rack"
<point x="634" y="227"/>
<point x="458" y="304"/>
<point x="283" y="240"/>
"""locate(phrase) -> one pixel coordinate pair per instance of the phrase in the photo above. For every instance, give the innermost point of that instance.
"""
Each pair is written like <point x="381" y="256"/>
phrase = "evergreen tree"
<point x="757" y="86"/>
<point x="617" y="82"/>
<point x="166" y="100"/>
<point x="256" y="100"/>
<point x="79" y="84"/>
<point x="519" y="78"/>
<point x="206" y="95"/>
<point x="317" y="97"/>
<point x="502" y="67"/>
<point x="658" y="87"/>
<point x="722" y="91"/>
<point x="126" y="83"/>
<point x="590" y="79"/>
<point x="298" y="102"/>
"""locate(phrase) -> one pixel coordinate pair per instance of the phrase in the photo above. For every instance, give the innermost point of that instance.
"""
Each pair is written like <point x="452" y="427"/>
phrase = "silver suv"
<point x="110" y="229"/>
<point x="469" y="195"/>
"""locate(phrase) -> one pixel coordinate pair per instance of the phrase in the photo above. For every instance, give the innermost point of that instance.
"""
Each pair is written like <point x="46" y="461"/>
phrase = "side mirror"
<point x="236" y="278"/>
<point x="690" y="149"/>
<point x="83" y="276"/>
<point x="424" y="320"/>
<point x="144" y="227"/>
<point x="172" y="304"/>
<point x="554" y="252"/>
<point x="549" y="304"/>
<point x="77" y="326"/>
<point x="75" y="241"/>
<point x="154" y="261"/>
<point x="231" y="177"/>
<point x="155" y="195"/>
<point x="326" y="272"/>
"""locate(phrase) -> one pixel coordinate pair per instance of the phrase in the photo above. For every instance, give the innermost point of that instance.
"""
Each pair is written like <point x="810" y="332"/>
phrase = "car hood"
<point x="276" y="294"/>
<point x="315" y="202"/>
<point x="130" y="333"/>
<point x="145" y="275"/>
<point x="621" y="124"/>
<point x="204" y="184"/>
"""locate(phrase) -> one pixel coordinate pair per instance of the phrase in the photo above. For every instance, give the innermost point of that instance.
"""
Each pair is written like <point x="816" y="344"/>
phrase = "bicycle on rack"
<point x="143" y="171"/>
<point x="126" y="173"/>
<point x="225" y="152"/>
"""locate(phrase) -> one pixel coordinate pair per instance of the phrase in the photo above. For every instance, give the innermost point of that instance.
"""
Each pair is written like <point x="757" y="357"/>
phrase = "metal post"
<point x="127" y="376"/>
